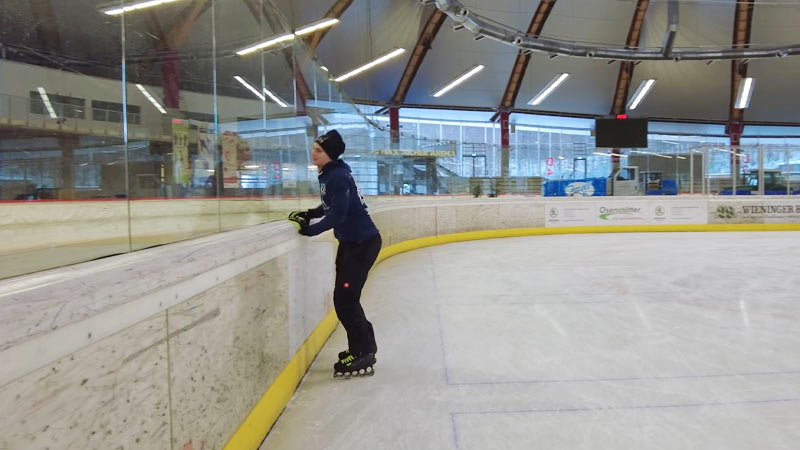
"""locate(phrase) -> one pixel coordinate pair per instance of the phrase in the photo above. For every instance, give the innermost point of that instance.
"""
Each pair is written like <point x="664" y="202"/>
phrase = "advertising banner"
<point x="785" y="210"/>
<point x="569" y="214"/>
<point x="204" y="165"/>
<point x="675" y="213"/>
<point x="181" y="172"/>
<point x="230" y="160"/>
<point x="609" y="213"/>
<point x="621" y="213"/>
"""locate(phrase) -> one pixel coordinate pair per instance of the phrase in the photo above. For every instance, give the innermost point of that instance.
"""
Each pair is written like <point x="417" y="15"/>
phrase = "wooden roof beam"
<point x="626" y="67"/>
<point x="175" y="35"/>
<point x="47" y="27"/>
<point x="335" y="12"/>
<point x="521" y="64"/>
<point x="426" y="37"/>
<point x="742" y="25"/>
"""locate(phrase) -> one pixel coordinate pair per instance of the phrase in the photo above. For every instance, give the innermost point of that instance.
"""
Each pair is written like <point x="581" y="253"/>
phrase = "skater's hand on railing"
<point x="300" y="219"/>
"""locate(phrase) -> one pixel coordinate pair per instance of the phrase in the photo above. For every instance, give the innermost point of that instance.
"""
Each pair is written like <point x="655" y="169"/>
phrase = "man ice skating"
<point x="344" y="210"/>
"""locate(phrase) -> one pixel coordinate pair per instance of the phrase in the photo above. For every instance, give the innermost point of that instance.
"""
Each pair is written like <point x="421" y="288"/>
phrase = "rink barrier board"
<point x="259" y="422"/>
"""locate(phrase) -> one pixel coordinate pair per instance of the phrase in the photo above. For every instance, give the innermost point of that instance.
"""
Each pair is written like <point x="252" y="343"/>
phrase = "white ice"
<point x="610" y="341"/>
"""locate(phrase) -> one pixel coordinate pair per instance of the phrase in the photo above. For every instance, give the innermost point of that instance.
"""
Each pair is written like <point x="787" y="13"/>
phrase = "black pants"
<point x="353" y="261"/>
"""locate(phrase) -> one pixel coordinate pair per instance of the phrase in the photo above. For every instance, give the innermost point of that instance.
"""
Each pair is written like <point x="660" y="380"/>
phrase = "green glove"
<point x="301" y="214"/>
<point x="300" y="219"/>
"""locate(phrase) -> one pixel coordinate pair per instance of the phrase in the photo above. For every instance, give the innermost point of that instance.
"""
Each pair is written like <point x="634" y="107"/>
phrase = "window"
<point x="64" y="106"/>
<point x="112" y="112"/>
<point x="200" y="117"/>
<point x="625" y="175"/>
<point x="87" y="175"/>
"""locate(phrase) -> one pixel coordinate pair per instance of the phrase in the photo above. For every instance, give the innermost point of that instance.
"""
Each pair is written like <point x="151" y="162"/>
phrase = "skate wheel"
<point x="369" y="369"/>
<point x="362" y="372"/>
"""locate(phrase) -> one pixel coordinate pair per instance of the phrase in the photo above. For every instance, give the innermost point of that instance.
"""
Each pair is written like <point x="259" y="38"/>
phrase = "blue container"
<point x="590" y="187"/>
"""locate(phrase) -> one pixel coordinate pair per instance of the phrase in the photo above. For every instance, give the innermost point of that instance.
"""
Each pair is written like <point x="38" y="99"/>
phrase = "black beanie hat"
<point x="332" y="143"/>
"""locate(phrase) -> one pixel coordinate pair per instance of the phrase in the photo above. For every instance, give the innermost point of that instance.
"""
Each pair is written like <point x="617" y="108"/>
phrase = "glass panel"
<point x="169" y="67"/>
<point x="202" y="139"/>
<point x="55" y="155"/>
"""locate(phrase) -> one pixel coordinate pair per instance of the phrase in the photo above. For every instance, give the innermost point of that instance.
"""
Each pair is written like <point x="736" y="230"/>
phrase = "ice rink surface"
<point x="602" y="341"/>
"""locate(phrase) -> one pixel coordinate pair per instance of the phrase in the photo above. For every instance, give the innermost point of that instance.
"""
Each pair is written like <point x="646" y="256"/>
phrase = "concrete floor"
<point x="608" y="341"/>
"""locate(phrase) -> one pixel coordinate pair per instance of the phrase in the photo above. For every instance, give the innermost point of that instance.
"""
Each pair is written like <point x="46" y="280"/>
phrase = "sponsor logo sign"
<point x="655" y="212"/>
<point x="579" y="189"/>
<point x="774" y="211"/>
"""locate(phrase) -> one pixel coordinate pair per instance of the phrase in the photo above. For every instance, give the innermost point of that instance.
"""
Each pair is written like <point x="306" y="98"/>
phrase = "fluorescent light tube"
<point x="641" y="93"/>
<point x="265" y="44"/>
<point x="47" y="103"/>
<point x="314" y="26"/>
<point x="249" y="87"/>
<point x="152" y="100"/>
<point x="370" y="65"/>
<point x="135" y="6"/>
<point x="745" y="93"/>
<point x="275" y="98"/>
<point x="551" y="86"/>
<point x="310" y="28"/>
<point x="461" y="78"/>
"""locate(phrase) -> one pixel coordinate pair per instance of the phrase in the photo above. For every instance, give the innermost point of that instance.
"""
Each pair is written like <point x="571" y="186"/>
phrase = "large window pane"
<point x="55" y="155"/>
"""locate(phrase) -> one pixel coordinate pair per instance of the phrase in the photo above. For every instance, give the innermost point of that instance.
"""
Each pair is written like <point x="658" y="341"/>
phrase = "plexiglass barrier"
<point x="148" y="128"/>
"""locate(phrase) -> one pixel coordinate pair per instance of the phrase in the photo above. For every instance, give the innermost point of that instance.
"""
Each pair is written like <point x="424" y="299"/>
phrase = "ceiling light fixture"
<point x="314" y="26"/>
<point x="641" y="93"/>
<point x="461" y="78"/>
<point x="152" y="100"/>
<point x="275" y="98"/>
<point x="302" y="31"/>
<point x="47" y="103"/>
<point x="551" y="86"/>
<point x="268" y="43"/>
<point x="135" y="6"/>
<point x="249" y="87"/>
<point x="371" y="64"/>
<point x="745" y="93"/>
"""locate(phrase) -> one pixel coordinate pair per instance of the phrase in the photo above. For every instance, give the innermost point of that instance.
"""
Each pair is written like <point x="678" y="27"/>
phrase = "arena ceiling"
<point x="76" y="36"/>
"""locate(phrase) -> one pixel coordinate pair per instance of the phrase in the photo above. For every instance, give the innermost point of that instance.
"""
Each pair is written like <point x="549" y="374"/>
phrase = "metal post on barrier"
<point x="691" y="172"/>
<point x="788" y="173"/>
<point x="706" y="179"/>
<point x="761" y="180"/>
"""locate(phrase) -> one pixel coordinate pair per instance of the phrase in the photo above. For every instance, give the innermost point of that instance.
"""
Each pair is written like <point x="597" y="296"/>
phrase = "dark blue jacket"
<point x="342" y="206"/>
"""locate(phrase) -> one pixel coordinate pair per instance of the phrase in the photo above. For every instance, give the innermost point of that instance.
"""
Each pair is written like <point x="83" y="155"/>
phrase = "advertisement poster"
<point x="609" y="213"/>
<point x="755" y="211"/>
<point x="230" y="160"/>
<point x="205" y="163"/>
<point x="621" y="213"/>
<point x="181" y="171"/>
<point x="675" y="213"/>
<point x="569" y="214"/>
